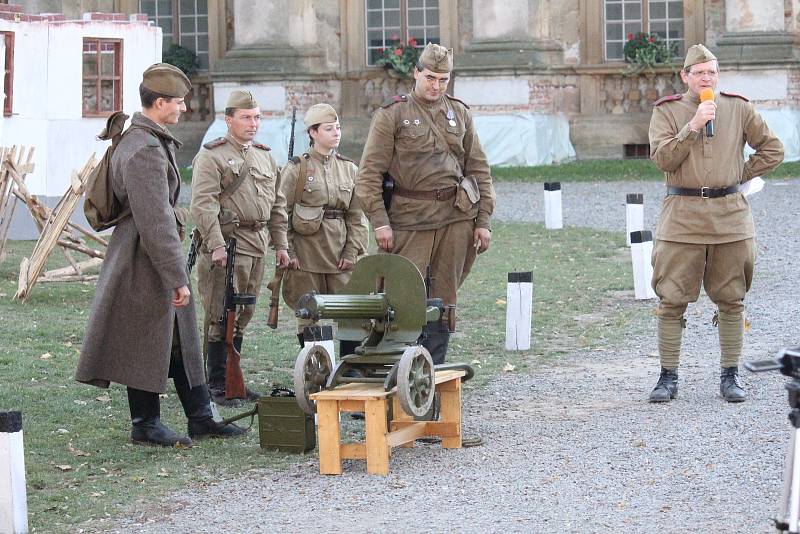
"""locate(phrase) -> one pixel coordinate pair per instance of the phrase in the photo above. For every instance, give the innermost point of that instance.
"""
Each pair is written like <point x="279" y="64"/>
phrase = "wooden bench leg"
<point x="398" y="414"/>
<point x="377" y="446"/>
<point x="330" y="459"/>
<point x="450" y="411"/>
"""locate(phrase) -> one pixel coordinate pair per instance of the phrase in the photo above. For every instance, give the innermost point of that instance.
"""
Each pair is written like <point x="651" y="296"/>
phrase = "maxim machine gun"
<point x="385" y="307"/>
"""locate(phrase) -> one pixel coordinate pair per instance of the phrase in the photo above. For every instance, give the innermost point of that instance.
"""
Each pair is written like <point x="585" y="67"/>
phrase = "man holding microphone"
<point x="705" y="233"/>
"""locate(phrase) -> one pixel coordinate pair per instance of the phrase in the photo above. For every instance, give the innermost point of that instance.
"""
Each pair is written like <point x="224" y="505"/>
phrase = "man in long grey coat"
<point x="142" y="327"/>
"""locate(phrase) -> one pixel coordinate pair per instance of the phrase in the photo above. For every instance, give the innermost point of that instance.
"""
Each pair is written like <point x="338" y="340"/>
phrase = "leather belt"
<point x="436" y="194"/>
<point x="252" y="225"/>
<point x="703" y="192"/>
<point x="334" y="214"/>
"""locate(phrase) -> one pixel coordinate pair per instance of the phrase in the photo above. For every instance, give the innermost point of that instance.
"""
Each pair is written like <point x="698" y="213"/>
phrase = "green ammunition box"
<point x="283" y="425"/>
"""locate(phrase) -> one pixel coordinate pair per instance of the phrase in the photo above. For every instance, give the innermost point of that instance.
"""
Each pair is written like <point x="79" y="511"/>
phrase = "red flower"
<point x="381" y="50"/>
<point x="412" y="42"/>
<point x="398" y="52"/>
<point x="652" y="39"/>
<point x="630" y="36"/>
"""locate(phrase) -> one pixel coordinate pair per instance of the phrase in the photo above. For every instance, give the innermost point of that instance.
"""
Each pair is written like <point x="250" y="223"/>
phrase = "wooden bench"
<point x="372" y="401"/>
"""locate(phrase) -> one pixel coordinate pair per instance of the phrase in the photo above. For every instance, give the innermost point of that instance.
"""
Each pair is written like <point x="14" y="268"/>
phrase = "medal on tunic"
<point x="416" y="122"/>
<point x="451" y="117"/>
<point x="310" y="178"/>
<point x="406" y="122"/>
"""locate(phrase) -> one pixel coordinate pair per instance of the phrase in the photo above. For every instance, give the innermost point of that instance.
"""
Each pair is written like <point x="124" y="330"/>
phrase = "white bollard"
<point x="321" y="335"/>
<point x="13" y="499"/>
<point x="634" y="215"/>
<point x="552" y="206"/>
<point x="641" y="252"/>
<point x="519" y="310"/>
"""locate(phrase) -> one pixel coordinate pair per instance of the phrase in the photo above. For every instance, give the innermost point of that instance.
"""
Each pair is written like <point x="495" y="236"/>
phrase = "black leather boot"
<point x="347" y="347"/>
<point x="146" y="425"/>
<point x="217" y="358"/>
<point x="667" y="387"/>
<point x="436" y="341"/>
<point x="197" y="407"/>
<point x="302" y="340"/>
<point x="250" y="395"/>
<point x="729" y="388"/>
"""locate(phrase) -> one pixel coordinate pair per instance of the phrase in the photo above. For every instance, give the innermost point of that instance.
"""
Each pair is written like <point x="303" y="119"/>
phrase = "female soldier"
<point x="327" y="229"/>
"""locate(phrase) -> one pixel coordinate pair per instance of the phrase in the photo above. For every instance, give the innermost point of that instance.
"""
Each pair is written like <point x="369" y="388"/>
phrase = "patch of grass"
<point x="605" y="171"/>
<point x="80" y="464"/>
<point x="186" y="175"/>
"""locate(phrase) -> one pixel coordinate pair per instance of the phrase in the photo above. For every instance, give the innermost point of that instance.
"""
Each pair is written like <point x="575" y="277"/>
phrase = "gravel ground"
<point x="571" y="447"/>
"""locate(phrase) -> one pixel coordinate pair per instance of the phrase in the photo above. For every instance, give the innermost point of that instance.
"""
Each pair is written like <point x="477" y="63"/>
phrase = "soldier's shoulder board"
<point x="262" y="147"/>
<point x="394" y="100"/>
<point x="734" y="95"/>
<point x="670" y="98"/>
<point x="219" y="141"/>
<point x="454" y="99"/>
<point x="343" y="158"/>
<point x="295" y="160"/>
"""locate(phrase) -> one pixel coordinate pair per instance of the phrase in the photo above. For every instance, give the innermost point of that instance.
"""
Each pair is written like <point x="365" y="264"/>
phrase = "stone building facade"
<point x="556" y="60"/>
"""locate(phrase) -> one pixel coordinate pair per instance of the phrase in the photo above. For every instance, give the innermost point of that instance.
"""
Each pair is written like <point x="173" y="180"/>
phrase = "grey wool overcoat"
<point x="128" y="338"/>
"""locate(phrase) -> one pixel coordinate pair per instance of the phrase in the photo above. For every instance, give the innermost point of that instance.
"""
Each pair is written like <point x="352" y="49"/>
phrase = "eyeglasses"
<point x="705" y="73"/>
<point x="433" y="80"/>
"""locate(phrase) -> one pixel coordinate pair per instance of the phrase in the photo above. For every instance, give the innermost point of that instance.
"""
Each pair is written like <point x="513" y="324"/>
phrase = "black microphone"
<point x="708" y="94"/>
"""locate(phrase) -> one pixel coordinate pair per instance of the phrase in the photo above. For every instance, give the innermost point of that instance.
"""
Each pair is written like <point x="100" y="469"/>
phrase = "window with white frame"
<point x="183" y="22"/>
<point x="389" y="22"/>
<point x="624" y="18"/>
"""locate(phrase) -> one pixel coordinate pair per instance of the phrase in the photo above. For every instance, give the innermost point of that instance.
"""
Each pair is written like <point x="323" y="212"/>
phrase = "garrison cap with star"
<point x="437" y="58"/>
<point x="319" y="113"/>
<point x="241" y="99"/>
<point x="166" y="79"/>
<point x="698" y="54"/>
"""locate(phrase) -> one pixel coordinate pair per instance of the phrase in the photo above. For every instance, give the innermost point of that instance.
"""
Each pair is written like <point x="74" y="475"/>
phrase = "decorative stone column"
<point x="759" y="31"/>
<point x="273" y="37"/>
<point x="509" y="34"/>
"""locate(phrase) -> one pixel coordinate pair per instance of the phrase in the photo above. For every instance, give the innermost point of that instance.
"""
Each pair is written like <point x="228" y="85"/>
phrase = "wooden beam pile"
<point x="55" y="229"/>
<point x="24" y="165"/>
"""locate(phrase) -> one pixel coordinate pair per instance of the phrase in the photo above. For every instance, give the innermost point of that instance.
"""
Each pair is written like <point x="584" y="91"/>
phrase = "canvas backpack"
<point x="102" y="209"/>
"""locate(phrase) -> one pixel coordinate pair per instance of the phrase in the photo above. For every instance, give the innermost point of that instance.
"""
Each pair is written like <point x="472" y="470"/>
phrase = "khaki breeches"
<point x="449" y="251"/>
<point x="247" y="275"/>
<point x="725" y="271"/>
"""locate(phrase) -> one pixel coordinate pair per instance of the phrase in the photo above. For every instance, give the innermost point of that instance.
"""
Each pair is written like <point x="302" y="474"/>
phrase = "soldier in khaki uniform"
<point x="235" y="193"/>
<point x="327" y="229"/>
<point x="705" y="231"/>
<point x="443" y="194"/>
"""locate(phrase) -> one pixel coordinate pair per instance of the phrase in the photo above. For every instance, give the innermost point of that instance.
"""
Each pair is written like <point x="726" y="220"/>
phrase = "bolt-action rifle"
<point x="234" y="379"/>
<point x="191" y="258"/>
<point x="277" y="279"/>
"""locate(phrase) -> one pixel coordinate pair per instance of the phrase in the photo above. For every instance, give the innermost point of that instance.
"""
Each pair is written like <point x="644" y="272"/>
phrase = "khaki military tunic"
<point x="255" y="206"/>
<point x="326" y="224"/>
<point x="402" y="143"/>
<point x="708" y="240"/>
<point x="690" y="159"/>
<point x="430" y="232"/>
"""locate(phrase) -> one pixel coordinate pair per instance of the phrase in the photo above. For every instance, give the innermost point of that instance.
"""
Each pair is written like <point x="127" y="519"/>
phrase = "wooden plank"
<point x="399" y="415"/>
<point x="410" y="431"/>
<point x="377" y="446"/>
<point x="353" y="451"/>
<point x="351" y="405"/>
<point x="330" y="460"/>
<point x="68" y="271"/>
<point x="432" y="428"/>
<point x="450" y="412"/>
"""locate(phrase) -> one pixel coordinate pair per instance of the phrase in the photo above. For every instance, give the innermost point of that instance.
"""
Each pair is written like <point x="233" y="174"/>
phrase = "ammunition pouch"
<point x="306" y="220"/>
<point x="468" y="194"/>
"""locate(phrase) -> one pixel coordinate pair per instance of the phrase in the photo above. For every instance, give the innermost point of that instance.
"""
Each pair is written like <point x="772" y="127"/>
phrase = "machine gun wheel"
<point x="415" y="383"/>
<point x="311" y="371"/>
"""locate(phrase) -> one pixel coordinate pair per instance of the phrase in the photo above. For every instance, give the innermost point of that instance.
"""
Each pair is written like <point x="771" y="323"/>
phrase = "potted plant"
<point x="400" y="59"/>
<point x="647" y="51"/>
<point x="183" y="58"/>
